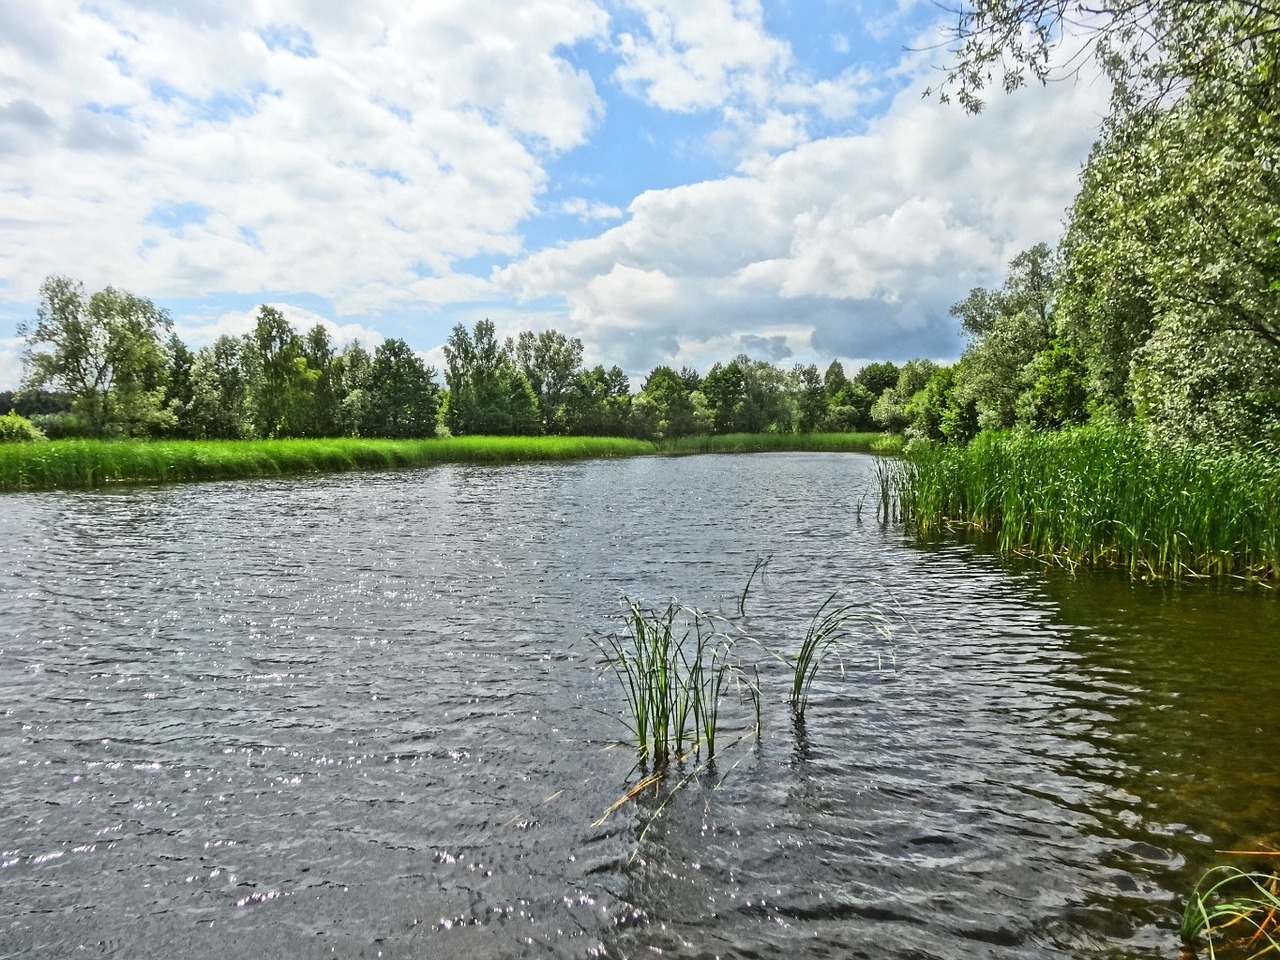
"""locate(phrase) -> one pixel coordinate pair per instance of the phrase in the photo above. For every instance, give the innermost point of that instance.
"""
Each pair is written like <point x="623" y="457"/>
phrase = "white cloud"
<point x="10" y="363"/>
<point x="413" y="138"/>
<point x="851" y="246"/>
<point x="586" y="210"/>
<point x="717" y="56"/>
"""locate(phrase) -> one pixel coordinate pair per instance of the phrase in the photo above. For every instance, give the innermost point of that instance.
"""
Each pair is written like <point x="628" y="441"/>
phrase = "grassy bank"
<point x="91" y="463"/>
<point x="1102" y="496"/>
<point x="772" y="442"/>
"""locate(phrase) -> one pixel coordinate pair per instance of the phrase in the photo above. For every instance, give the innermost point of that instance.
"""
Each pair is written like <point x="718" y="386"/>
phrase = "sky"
<point x="672" y="181"/>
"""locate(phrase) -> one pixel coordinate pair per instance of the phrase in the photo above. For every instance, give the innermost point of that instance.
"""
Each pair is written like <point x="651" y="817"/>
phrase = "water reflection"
<point x="357" y="715"/>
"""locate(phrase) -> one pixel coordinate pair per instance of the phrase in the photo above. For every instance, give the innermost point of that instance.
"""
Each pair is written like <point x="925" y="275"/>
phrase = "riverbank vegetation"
<point x="91" y="463"/>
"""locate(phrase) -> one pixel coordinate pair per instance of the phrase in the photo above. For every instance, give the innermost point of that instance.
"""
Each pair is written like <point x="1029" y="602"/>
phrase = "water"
<point x="357" y="716"/>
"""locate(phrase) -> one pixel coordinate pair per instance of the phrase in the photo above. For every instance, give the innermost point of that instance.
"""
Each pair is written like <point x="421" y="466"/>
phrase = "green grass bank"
<point x="80" y="464"/>
<point x="885" y="443"/>
<point x="1102" y="496"/>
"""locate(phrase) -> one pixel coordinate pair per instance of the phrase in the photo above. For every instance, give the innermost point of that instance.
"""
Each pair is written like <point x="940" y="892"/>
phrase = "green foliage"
<point x="1007" y="328"/>
<point x="15" y="428"/>
<point x="890" y="410"/>
<point x="106" y="351"/>
<point x="488" y="393"/>
<point x="551" y="363"/>
<point x="1056" y="396"/>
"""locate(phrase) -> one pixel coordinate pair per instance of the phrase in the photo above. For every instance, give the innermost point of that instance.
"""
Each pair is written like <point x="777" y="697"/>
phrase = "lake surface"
<point x="359" y="716"/>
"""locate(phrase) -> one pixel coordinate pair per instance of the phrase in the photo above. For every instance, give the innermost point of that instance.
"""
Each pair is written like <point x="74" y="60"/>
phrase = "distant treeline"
<point x="108" y="365"/>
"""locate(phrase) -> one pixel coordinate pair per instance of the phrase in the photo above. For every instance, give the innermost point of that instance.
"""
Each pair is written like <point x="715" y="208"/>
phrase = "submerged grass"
<point x="92" y="463"/>
<point x="1099" y="496"/>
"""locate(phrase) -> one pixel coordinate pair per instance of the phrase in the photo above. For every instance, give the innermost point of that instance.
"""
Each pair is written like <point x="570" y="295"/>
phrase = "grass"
<point x="1099" y="496"/>
<point x="79" y="464"/>
<point x="886" y="443"/>
<point x="92" y="463"/>
<point x="821" y="639"/>
<point x="1234" y="911"/>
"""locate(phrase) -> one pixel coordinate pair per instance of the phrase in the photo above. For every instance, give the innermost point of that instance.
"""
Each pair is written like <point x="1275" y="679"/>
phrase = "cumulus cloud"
<point x="718" y="56"/>
<point x="858" y="243"/>
<point x="365" y="149"/>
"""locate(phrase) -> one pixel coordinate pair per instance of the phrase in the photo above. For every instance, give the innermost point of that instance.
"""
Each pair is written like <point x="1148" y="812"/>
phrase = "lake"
<point x="363" y="716"/>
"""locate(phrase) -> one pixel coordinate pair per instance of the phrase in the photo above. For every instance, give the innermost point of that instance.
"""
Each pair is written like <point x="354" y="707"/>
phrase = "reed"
<point x="1234" y="910"/>
<point x="823" y="637"/>
<point x="674" y="665"/>
<point x="92" y="463"/>
<point x="1099" y="496"/>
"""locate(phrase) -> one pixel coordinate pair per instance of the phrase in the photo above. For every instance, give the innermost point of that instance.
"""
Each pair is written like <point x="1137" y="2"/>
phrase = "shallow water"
<point x="359" y="716"/>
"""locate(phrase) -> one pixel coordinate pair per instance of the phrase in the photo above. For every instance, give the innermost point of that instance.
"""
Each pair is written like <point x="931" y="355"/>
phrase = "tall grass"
<point x="673" y="665"/>
<point x="820" y="640"/>
<point x="1100" y="496"/>
<point x="91" y="463"/>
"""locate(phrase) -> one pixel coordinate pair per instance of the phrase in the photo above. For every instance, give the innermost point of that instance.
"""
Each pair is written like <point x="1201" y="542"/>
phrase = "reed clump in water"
<point x="1104" y="496"/>
<point x="92" y="463"/>
<point x="674" y="665"/>
<point x="1235" y="911"/>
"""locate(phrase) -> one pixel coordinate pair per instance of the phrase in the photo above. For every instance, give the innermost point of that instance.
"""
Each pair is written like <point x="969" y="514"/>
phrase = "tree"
<point x="599" y="404"/>
<point x="404" y="397"/>
<point x="281" y="386"/>
<point x="327" y="392"/>
<point x="665" y="407"/>
<point x="488" y="393"/>
<point x="551" y="363"/>
<point x="890" y="410"/>
<point x="219" y="391"/>
<point x="810" y="398"/>
<point x="1150" y="50"/>
<point x="1007" y="329"/>
<point x="106" y="350"/>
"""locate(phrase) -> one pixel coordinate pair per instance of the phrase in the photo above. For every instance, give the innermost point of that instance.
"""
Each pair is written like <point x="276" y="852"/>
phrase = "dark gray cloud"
<point x="765" y="348"/>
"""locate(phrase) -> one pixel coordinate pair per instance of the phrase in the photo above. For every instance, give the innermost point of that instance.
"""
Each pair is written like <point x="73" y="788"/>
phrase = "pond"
<point x="362" y="716"/>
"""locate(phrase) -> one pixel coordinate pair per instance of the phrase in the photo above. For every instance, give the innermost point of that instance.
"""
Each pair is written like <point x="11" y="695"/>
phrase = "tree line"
<point x="1161" y="303"/>
<point x="108" y="364"/>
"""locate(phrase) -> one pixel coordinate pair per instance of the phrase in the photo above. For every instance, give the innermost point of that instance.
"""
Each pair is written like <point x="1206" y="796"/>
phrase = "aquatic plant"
<point x="1234" y="910"/>
<point x="673" y="665"/>
<point x="821" y="639"/>
<point x="1099" y="495"/>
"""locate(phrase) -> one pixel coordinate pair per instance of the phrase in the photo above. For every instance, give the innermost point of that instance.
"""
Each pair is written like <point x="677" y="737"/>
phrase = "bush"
<point x="15" y="428"/>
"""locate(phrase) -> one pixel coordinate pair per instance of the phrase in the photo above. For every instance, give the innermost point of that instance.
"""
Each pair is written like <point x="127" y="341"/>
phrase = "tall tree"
<point x="106" y="350"/>
<point x="488" y="393"/>
<point x="281" y="384"/>
<point x="551" y="363"/>
<point x="404" y="399"/>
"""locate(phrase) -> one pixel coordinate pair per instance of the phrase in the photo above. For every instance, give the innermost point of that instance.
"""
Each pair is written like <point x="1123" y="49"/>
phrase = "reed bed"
<point x="885" y="443"/>
<point x="1100" y="496"/>
<point x="92" y="463"/>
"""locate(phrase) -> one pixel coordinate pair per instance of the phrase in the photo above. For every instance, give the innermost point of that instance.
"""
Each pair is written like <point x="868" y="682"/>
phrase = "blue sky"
<point x="673" y="181"/>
